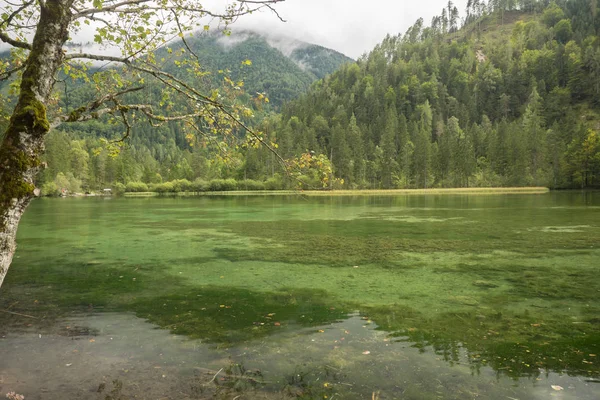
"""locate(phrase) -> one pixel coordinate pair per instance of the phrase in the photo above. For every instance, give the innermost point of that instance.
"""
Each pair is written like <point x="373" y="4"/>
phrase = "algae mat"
<point x="411" y="296"/>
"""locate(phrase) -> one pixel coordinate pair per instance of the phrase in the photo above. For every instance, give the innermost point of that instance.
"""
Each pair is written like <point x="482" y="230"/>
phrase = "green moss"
<point x="29" y="116"/>
<point x="30" y="112"/>
<point x="76" y="114"/>
<point x="14" y="186"/>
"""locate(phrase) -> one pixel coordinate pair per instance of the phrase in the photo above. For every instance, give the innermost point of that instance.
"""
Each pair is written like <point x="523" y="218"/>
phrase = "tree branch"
<point x="183" y="35"/>
<point x="14" y="42"/>
<point x="82" y="113"/>
<point x="7" y="74"/>
<point x="8" y="20"/>
<point x="112" y="8"/>
<point x="125" y="7"/>
<point x="97" y="57"/>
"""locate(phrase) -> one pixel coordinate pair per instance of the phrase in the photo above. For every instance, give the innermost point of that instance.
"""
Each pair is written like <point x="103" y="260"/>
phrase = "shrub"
<point x="199" y="185"/>
<point x="164" y="187"/>
<point x="136" y="187"/>
<point x="50" y="189"/>
<point x="182" y="185"/>
<point x="250" y="184"/>
<point x="118" y="188"/>
<point x="222" y="185"/>
<point x="274" y="183"/>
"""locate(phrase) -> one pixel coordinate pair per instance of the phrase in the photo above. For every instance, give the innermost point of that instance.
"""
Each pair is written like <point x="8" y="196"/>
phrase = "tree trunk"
<point x="23" y="142"/>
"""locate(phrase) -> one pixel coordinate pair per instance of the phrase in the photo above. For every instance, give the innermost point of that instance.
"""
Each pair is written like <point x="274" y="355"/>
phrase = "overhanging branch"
<point x="7" y="74"/>
<point x="97" y="57"/>
<point x="92" y="110"/>
<point x="9" y="19"/>
<point x="113" y="8"/>
<point x="14" y="42"/>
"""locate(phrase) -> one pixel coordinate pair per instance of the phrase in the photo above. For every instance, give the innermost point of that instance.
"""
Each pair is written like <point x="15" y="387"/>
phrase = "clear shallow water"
<point x="451" y="296"/>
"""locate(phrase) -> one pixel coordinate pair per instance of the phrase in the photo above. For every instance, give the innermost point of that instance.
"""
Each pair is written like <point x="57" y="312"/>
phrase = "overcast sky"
<point x="352" y="27"/>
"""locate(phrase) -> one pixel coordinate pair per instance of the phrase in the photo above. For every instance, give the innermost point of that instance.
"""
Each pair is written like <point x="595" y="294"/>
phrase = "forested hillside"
<point x="278" y="67"/>
<point x="511" y="98"/>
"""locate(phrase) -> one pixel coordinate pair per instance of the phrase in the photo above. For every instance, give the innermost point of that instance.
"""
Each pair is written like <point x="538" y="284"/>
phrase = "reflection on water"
<point x="410" y="297"/>
<point x="77" y="356"/>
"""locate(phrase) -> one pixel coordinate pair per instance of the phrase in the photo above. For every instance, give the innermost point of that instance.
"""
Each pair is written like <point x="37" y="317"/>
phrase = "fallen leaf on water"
<point x="277" y="323"/>
<point x="366" y="352"/>
<point x="321" y="331"/>
<point x="92" y="340"/>
<point x="68" y="365"/>
<point x="556" y="387"/>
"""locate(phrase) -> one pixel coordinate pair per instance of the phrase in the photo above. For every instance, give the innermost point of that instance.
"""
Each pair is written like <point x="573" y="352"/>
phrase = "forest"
<point x="506" y="95"/>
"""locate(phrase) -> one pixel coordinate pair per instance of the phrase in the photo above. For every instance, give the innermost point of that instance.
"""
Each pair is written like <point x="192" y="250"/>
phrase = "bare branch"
<point x="268" y="5"/>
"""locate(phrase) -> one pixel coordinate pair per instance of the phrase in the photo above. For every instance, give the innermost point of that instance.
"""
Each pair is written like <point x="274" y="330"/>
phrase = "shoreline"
<point x="365" y="192"/>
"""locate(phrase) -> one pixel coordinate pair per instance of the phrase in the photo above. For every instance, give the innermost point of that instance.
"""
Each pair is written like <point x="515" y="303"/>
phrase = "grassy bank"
<point x="389" y="192"/>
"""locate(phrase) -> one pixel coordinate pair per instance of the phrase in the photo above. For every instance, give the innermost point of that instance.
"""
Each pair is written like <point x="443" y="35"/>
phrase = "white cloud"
<point x="352" y="27"/>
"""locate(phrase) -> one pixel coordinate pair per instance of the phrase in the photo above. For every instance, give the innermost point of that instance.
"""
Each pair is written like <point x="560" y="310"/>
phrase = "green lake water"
<point x="277" y="297"/>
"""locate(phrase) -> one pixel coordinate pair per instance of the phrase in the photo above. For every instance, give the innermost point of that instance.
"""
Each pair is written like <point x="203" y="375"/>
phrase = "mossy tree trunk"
<point x="23" y="141"/>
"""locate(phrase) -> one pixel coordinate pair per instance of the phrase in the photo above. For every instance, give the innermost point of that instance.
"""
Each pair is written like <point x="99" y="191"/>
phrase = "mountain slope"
<point x="282" y="67"/>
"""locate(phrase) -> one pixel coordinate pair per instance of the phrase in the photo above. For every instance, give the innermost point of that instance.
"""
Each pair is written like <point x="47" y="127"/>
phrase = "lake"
<point x="277" y="297"/>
